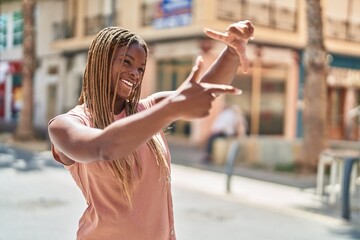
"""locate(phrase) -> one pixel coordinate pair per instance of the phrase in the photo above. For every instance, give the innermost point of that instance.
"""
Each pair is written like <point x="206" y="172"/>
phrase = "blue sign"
<point x="172" y="6"/>
<point x="173" y="13"/>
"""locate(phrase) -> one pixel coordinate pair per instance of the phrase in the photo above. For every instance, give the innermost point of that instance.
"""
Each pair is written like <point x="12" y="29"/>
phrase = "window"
<point x="3" y="32"/>
<point x="171" y="73"/>
<point x="272" y="100"/>
<point x="277" y="14"/>
<point x="100" y="14"/>
<point x="343" y="95"/>
<point x="335" y="112"/>
<point x="17" y="28"/>
<point x="229" y="9"/>
<point x="263" y="98"/>
<point x="342" y="20"/>
<point x="148" y="9"/>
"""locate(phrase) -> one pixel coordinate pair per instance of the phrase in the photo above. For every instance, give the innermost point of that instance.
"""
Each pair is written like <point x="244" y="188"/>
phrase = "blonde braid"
<point x="96" y="95"/>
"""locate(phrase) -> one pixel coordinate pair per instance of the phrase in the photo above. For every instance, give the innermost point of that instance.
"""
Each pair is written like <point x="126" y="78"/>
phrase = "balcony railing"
<point x="342" y="29"/>
<point x="63" y="30"/>
<point x="94" y="24"/>
<point x="267" y="13"/>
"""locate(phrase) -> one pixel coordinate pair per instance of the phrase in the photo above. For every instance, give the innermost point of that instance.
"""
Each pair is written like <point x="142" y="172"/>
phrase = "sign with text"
<point x="172" y="13"/>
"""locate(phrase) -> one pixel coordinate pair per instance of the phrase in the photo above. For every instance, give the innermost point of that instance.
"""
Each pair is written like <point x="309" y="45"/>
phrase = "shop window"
<point x="263" y="98"/>
<point x="343" y="103"/>
<point x="171" y="73"/>
<point x="244" y="101"/>
<point x="335" y="112"/>
<point x="272" y="100"/>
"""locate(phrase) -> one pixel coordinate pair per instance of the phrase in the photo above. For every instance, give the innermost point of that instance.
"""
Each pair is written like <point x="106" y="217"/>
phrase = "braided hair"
<point x="100" y="103"/>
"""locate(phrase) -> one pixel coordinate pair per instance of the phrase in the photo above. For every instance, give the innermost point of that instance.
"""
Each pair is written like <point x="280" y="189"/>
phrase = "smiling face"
<point x="128" y="68"/>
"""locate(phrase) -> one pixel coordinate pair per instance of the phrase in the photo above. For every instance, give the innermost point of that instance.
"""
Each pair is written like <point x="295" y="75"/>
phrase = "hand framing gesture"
<point x="236" y="36"/>
<point x="194" y="98"/>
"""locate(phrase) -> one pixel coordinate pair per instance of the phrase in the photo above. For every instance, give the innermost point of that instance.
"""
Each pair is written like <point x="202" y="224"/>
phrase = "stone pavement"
<point x="46" y="204"/>
<point x="269" y="190"/>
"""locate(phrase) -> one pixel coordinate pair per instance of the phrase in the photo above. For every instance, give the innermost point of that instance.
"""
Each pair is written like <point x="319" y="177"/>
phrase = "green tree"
<point x="316" y="68"/>
<point x="25" y="129"/>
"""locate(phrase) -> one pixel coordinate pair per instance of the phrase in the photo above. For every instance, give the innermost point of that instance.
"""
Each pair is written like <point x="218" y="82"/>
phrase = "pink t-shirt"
<point x="107" y="215"/>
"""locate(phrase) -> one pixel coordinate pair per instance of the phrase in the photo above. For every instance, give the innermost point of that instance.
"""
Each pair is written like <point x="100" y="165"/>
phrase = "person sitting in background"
<point x="231" y="122"/>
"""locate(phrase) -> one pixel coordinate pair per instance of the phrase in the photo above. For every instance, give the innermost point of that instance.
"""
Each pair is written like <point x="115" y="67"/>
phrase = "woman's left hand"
<point x="236" y="37"/>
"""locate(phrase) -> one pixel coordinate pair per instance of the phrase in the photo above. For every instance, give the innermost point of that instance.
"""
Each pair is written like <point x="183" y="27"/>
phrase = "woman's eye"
<point x="127" y="62"/>
<point x="141" y="70"/>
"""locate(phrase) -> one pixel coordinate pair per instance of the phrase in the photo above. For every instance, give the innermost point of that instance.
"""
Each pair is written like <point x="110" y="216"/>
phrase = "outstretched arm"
<point x="235" y="37"/>
<point x="84" y="144"/>
<point x="224" y="68"/>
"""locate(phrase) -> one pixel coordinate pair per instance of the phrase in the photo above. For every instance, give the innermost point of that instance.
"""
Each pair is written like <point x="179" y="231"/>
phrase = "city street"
<point x="258" y="103"/>
<point x="45" y="203"/>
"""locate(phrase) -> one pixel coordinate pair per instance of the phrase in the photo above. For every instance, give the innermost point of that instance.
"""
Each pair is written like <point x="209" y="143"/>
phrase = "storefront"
<point x="343" y="98"/>
<point x="269" y="95"/>
<point x="11" y="39"/>
<point x="10" y="91"/>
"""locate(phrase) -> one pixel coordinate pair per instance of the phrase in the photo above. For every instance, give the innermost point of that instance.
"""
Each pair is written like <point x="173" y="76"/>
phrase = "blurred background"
<point x="272" y="98"/>
<point x="43" y="52"/>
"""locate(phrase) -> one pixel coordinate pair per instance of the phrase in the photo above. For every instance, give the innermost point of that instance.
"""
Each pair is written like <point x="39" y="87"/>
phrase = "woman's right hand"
<point x="193" y="99"/>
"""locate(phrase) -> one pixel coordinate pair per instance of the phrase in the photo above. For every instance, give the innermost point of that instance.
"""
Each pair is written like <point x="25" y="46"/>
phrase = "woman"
<point x="112" y="142"/>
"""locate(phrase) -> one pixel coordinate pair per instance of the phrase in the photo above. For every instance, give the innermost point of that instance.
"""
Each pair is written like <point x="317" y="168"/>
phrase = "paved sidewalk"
<point x="46" y="204"/>
<point x="282" y="193"/>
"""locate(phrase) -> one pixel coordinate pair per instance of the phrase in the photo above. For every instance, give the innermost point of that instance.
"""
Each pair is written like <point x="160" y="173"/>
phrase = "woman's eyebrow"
<point x="132" y="58"/>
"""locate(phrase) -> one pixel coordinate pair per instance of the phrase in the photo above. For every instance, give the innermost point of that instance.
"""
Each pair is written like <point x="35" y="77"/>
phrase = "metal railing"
<point x="269" y="14"/>
<point x="95" y="23"/>
<point x="63" y="29"/>
<point x="342" y="29"/>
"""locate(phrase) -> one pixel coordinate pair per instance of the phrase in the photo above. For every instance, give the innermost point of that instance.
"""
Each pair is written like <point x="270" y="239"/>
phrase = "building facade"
<point x="11" y="37"/>
<point x="272" y="89"/>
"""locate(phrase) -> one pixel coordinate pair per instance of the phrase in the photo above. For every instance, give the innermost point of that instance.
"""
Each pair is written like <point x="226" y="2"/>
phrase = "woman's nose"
<point x="135" y="73"/>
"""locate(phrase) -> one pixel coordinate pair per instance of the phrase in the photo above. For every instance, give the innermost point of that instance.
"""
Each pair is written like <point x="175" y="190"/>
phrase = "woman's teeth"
<point x="128" y="83"/>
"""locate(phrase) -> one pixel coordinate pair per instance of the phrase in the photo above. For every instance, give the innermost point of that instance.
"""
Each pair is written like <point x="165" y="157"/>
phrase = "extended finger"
<point x="220" y="88"/>
<point x="195" y="72"/>
<point x="220" y="36"/>
<point x="215" y="92"/>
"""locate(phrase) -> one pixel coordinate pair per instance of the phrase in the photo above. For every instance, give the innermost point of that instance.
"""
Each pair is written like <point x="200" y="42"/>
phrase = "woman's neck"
<point x="119" y="106"/>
